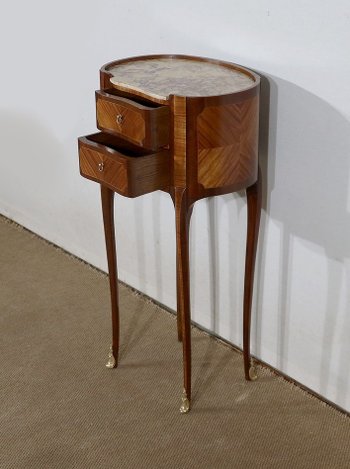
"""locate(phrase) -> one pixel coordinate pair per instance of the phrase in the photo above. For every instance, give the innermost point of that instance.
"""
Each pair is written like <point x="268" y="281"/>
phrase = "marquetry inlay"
<point x="227" y="153"/>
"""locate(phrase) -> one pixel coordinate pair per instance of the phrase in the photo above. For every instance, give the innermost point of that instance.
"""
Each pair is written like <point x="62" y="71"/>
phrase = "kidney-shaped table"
<point x="187" y="126"/>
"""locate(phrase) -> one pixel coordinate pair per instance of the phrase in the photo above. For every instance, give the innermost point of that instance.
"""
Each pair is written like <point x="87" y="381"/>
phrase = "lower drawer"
<point x="126" y="169"/>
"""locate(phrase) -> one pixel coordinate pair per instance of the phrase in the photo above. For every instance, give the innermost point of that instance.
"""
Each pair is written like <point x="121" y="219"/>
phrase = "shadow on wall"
<point x="31" y="162"/>
<point x="306" y="193"/>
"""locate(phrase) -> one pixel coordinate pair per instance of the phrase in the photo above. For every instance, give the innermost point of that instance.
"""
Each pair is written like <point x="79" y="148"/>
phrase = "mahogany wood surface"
<point x="253" y="222"/>
<point x="183" y="212"/>
<point x="178" y="110"/>
<point x="107" y="198"/>
<point x="147" y="126"/>
<point x="130" y="174"/>
<point x="227" y="144"/>
<point x="207" y="145"/>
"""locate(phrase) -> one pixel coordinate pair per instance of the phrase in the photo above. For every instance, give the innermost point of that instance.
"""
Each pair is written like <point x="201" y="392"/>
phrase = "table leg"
<point x="183" y="214"/>
<point x="107" y="198"/>
<point x="178" y="315"/>
<point x="254" y="211"/>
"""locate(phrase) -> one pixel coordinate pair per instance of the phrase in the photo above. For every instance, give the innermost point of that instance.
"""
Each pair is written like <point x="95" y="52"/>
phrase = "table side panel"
<point x="227" y="144"/>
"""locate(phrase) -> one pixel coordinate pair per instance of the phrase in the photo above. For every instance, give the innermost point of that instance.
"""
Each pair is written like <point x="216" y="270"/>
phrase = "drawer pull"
<point x="101" y="167"/>
<point x="120" y="119"/>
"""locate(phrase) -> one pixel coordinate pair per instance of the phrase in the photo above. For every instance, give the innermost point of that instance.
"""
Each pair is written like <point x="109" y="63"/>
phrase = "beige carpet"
<point x="61" y="408"/>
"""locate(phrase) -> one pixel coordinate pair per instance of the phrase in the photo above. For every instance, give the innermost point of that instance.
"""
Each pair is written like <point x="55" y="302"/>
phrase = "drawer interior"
<point x="136" y="99"/>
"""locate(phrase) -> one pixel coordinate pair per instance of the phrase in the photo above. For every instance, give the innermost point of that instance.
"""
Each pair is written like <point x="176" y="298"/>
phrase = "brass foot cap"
<point x="252" y="373"/>
<point x="111" y="363"/>
<point x="185" y="405"/>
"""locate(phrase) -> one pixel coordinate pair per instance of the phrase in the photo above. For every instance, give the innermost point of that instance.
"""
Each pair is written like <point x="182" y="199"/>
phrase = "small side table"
<point x="187" y="126"/>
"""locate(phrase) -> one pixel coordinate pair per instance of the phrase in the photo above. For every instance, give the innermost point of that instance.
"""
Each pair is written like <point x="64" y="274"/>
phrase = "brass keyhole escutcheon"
<point x="101" y="167"/>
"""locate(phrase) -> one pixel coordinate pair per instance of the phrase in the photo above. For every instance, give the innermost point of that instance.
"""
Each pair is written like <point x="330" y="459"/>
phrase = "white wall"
<point x="50" y="56"/>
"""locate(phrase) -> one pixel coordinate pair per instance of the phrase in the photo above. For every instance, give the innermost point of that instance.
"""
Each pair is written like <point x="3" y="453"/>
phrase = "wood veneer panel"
<point x="147" y="126"/>
<point x="227" y="139"/>
<point x="132" y="125"/>
<point x="114" y="173"/>
<point x="179" y="122"/>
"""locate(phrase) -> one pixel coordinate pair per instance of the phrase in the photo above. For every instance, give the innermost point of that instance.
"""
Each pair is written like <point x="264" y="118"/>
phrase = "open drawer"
<point x="141" y="124"/>
<point x="124" y="168"/>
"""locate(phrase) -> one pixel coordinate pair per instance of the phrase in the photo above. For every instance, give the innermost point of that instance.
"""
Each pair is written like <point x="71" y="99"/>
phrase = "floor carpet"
<point x="61" y="408"/>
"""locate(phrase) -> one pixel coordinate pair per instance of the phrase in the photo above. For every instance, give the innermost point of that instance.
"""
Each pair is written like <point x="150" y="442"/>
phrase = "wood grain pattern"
<point x="114" y="173"/>
<point x="132" y="125"/>
<point x="147" y="126"/>
<point x="253" y="223"/>
<point x="107" y="199"/>
<point x="183" y="211"/>
<point x="179" y="144"/>
<point x="228" y="144"/>
<point x="130" y="176"/>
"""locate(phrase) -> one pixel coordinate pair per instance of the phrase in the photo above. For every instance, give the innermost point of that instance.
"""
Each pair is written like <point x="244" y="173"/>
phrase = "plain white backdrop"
<point x="50" y="57"/>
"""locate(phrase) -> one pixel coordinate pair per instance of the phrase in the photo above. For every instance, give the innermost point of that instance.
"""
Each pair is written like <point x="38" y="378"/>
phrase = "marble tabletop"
<point x="161" y="77"/>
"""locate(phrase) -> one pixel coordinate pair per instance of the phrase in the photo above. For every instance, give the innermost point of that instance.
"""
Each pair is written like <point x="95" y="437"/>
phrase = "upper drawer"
<point x="128" y="170"/>
<point x="147" y="126"/>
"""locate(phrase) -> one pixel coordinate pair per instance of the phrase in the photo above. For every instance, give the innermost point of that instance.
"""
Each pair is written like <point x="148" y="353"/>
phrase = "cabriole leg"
<point x="254" y="211"/>
<point x="107" y="198"/>
<point x="183" y="214"/>
<point x="178" y="315"/>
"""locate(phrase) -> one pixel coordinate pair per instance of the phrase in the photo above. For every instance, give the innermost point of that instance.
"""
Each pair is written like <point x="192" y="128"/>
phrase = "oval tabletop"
<point x="159" y="77"/>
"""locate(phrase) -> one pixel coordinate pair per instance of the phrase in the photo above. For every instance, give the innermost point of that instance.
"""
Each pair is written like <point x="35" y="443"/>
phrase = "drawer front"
<point x="143" y="125"/>
<point x="130" y="175"/>
<point x="98" y="166"/>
